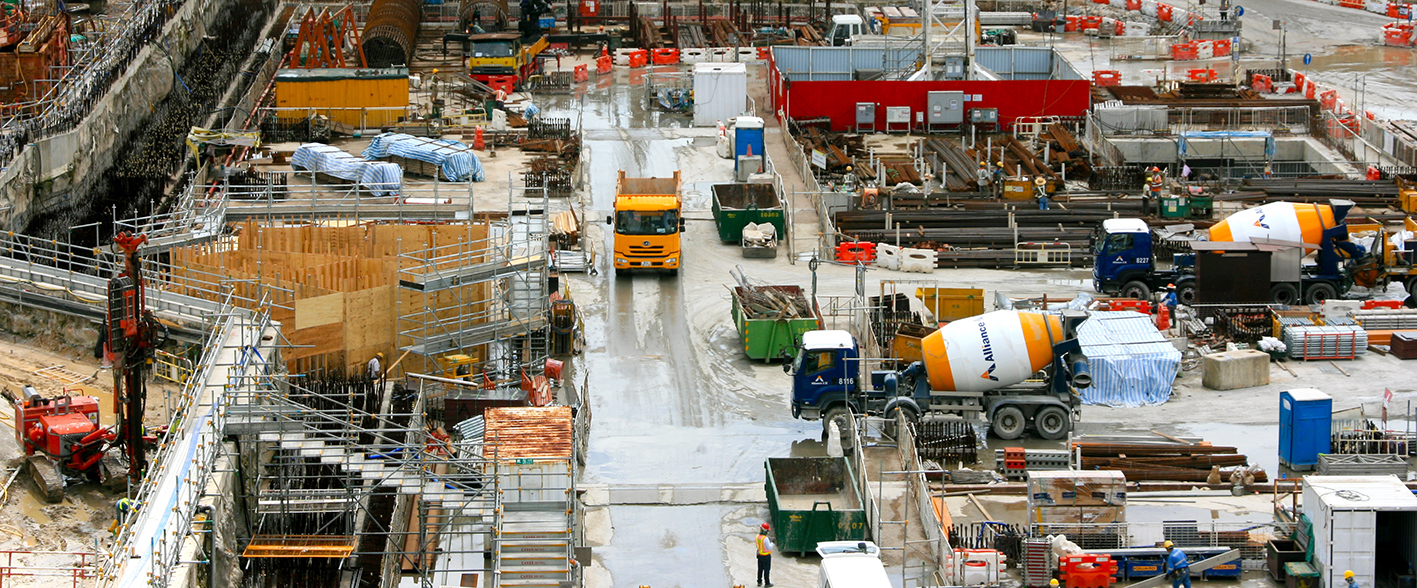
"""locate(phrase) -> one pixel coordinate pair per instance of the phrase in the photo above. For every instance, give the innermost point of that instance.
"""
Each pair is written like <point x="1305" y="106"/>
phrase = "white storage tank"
<point x="1350" y="514"/>
<point x="720" y="92"/>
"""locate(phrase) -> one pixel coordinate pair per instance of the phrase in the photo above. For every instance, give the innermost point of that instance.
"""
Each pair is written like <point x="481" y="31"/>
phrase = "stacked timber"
<point x="1169" y="461"/>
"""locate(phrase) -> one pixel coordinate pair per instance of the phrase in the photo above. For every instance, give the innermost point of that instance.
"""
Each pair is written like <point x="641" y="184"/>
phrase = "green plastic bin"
<point x="1201" y="206"/>
<point x="1174" y="207"/>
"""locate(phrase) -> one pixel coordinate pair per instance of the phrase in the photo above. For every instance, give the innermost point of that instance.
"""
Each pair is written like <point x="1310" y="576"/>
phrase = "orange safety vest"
<point x="762" y="545"/>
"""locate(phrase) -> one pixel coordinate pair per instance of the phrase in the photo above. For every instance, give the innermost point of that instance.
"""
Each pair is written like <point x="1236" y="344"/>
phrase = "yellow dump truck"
<point x="648" y="220"/>
<point x="496" y="58"/>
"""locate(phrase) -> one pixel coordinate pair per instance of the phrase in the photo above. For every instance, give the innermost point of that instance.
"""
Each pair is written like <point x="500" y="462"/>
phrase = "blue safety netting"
<point x="457" y="160"/>
<point x="1132" y="364"/>
<point x="1266" y="135"/>
<point x="379" y="177"/>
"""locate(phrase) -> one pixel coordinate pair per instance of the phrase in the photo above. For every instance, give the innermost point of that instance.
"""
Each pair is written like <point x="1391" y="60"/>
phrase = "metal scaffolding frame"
<point x="489" y="293"/>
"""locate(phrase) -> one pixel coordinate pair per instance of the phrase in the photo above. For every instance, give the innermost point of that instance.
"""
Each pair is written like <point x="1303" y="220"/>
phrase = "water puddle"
<point x="32" y="507"/>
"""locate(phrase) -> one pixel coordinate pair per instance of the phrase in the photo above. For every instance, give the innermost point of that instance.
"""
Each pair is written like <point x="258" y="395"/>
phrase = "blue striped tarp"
<point x="379" y="177"/>
<point x="457" y="161"/>
<point x="1132" y="364"/>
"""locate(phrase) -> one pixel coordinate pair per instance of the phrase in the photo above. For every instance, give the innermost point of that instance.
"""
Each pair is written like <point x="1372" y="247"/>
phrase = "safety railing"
<point x="1035" y="254"/>
<point x="918" y="489"/>
<point x="1283" y="119"/>
<point x="80" y="573"/>
<point x="1248" y="537"/>
<point x="172" y="368"/>
<point x="278" y="124"/>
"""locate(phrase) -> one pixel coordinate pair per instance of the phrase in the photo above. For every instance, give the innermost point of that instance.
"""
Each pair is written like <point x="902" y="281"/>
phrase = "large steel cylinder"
<point x="989" y="351"/>
<point x="490" y="14"/>
<point x="1285" y="221"/>
<point x="391" y="31"/>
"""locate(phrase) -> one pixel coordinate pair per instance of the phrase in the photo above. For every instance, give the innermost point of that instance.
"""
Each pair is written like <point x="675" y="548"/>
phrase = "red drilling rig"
<point x="132" y="336"/>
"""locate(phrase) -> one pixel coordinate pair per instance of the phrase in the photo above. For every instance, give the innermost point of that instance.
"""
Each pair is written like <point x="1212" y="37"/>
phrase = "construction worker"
<point x="376" y="370"/>
<point x="501" y="98"/>
<point x="1268" y="170"/>
<point x="1178" y="568"/>
<point x="998" y="179"/>
<point x="1348" y="578"/>
<point x="984" y="177"/>
<point x="765" y="548"/>
<point x="1053" y="583"/>
<point x="1157" y="181"/>
<point x="848" y="180"/>
<point x="1040" y="191"/>
<point x="124" y="506"/>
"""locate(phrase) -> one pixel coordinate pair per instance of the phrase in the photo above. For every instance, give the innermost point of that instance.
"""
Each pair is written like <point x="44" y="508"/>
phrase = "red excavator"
<point x="62" y="439"/>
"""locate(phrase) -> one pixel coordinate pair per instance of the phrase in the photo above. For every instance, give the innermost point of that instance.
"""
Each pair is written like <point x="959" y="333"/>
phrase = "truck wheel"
<point x="1411" y="286"/>
<point x="1052" y="423"/>
<point x="1136" y="289"/>
<point x="1320" y="292"/>
<point x="1284" y="293"/>
<point x="1186" y="293"/>
<point x="1008" y="422"/>
<point x="842" y="417"/>
<point x="890" y="427"/>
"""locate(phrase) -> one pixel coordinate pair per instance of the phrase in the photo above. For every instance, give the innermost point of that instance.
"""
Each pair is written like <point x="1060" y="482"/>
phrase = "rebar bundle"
<point x="390" y="32"/>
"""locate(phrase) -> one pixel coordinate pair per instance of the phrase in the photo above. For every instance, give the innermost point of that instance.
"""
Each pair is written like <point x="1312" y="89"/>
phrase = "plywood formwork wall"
<point x="335" y="289"/>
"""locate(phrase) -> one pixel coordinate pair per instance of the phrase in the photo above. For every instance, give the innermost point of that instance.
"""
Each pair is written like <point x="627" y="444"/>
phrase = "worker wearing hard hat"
<point x="1053" y="583"/>
<point x="984" y="177"/>
<point x="125" y="506"/>
<point x="375" y="367"/>
<point x="1040" y="191"/>
<point x="848" y="180"/>
<point x="1178" y="568"/>
<point x="1348" y="578"/>
<point x="765" y="547"/>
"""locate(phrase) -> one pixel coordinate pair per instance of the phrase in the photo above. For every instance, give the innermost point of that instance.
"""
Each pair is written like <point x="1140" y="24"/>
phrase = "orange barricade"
<point x="1221" y="47"/>
<point x="1087" y="571"/>
<point x="639" y="58"/>
<point x="582" y="73"/>
<point x="1310" y="89"/>
<point x="856" y="251"/>
<point x="1134" y="5"/>
<point x="1091" y="22"/>
<point x="1184" y="51"/>
<point x="1371" y="304"/>
<point x="1072" y="25"/>
<point x="1163" y="12"/>
<point x="665" y="56"/>
<point x="1262" y="83"/>
<point x="1299" y="81"/>
<point x="507" y="84"/>
<point x="1121" y="29"/>
<point x="1201" y="75"/>
<point x="1106" y="77"/>
<point x="764" y="53"/>
<point x="602" y="65"/>
<point x="1328" y="99"/>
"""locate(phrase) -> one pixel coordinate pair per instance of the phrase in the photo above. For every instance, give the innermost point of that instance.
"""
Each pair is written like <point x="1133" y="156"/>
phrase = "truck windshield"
<point x="492" y="49"/>
<point x="658" y="222"/>
<point x="1116" y="243"/>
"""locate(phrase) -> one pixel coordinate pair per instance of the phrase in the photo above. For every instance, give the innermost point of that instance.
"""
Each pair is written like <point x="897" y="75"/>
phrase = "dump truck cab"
<point x="648" y="221"/>
<point x="496" y="55"/>
<point x="824" y="373"/>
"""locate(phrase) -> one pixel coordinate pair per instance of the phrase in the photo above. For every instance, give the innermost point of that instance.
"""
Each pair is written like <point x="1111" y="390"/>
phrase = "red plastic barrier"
<point x="507" y="84"/>
<point x="1374" y="174"/>
<point x="582" y="73"/>
<point x="1371" y="304"/>
<point x="1134" y="5"/>
<point x="1100" y="574"/>
<point x="1299" y="80"/>
<point x="602" y="64"/>
<point x="1106" y="77"/>
<point x="1261" y="83"/>
<point x="764" y="53"/>
<point x="1221" y="47"/>
<point x="1074" y="21"/>
<point x="856" y="251"/>
<point x="1121" y="29"/>
<point x="1202" y="75"/>
<point x="1328" y="99"/>
<point x="665" y="56"/>
<point x="1184" y="51"/>
<point x="1310" y="89"/>
<point x="1163" y="12"/>
<point x="1352" y="4"/>
<point x="1141" y="306"/>
<point x="1090" y="22"/>
<point x="639" y="58"/>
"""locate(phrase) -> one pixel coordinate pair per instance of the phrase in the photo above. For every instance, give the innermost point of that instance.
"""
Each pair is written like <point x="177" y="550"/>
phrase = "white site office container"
<point x="1349" y="513"/>
<point x="720" y="92"/>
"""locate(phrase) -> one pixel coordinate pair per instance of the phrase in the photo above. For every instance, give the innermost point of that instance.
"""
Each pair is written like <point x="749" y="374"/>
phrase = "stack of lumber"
<point x="1171" y="460"/>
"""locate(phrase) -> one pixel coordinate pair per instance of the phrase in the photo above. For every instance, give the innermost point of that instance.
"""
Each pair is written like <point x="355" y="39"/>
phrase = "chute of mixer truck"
<point x="980" y="368"/>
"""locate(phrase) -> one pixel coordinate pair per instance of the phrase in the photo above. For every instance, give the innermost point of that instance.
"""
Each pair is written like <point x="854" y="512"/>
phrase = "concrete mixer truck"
<point x="1125" y="264"/>
<point x="979" y="368"/>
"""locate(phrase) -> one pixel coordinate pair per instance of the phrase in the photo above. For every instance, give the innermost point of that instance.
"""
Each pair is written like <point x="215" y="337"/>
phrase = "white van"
<point x="852" y="564"/>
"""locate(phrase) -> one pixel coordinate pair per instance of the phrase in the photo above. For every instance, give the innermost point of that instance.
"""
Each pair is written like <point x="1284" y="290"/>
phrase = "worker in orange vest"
<point x="765" y="548"/>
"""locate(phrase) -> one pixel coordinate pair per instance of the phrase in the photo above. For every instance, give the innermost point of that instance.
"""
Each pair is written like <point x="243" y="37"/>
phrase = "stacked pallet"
<point x="1324" y="342"/>
<point x="1171" y="461"/>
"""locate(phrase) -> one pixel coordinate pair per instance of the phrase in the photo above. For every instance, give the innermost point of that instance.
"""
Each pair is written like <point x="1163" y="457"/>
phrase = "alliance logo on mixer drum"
<point x="988" y="354"/>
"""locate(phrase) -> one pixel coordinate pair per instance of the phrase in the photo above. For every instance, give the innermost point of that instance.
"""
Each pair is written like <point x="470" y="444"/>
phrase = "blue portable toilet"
<point x="747" y="132"/>
<point x="1305" y="423"/>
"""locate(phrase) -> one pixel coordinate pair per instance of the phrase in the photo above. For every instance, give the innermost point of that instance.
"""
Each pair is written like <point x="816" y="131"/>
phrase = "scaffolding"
<point x="482" y="306"/>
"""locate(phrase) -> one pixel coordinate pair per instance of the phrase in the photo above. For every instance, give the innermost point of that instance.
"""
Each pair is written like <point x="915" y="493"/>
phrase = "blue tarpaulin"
<point x="457" y="161"/>
<point x="1266" y="135"/>
<point x="379" y="177"/>
<point x="1132" y="364"/>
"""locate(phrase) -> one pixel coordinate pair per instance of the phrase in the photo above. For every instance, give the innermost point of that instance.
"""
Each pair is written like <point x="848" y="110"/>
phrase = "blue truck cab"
<point x="824" y="372"/>
<point x="1124" y="263"/>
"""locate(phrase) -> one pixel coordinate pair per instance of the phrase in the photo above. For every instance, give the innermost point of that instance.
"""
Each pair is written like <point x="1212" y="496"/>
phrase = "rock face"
<point x="48" y="328"/>
<point x="52" y="172"/>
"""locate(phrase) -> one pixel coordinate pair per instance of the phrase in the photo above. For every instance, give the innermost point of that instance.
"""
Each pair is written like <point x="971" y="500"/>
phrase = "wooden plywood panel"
<point x="321" y="310"/>
<point x="316" y="340"/>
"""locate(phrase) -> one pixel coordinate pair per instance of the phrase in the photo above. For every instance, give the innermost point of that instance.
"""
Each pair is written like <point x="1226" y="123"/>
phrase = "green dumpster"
<point x="736" y="205"/>
<point x="814" y="499"/>
<point x="1174" y="207"/>
<point x="1201" y="205"/>
<point x="771" y="320"/>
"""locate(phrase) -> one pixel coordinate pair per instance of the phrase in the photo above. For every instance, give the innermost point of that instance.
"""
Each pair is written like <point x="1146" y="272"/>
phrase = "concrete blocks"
<point x="1232" y="370"/>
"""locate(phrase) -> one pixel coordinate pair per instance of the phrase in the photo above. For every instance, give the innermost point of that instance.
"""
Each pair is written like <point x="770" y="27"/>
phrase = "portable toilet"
<point x="1305" y="423"/>
<point x="747" y="134"/>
